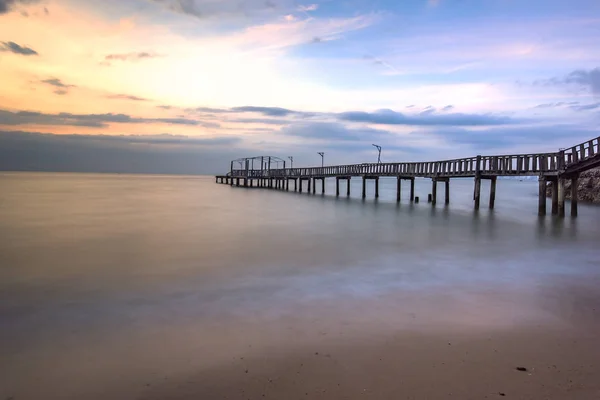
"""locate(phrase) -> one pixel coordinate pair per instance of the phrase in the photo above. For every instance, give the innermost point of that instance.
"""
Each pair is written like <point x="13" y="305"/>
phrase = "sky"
<point x="185" y="86"/>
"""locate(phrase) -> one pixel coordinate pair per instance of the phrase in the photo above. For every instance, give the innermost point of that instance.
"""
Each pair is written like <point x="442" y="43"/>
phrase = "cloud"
<point x="550" y="105"/>
<point x="339" y="137"/>
<point x="206" y="9"/>
<point x="17" y="49"/>
<point x="209" y="110"/>
<point x="428" y="110"/>
<point x="62" y="88"/>
<point x="448" y="108"/>
<point x="156" y="154"/>
<point x="8" y="5"/>
<point x="130" y="56"/>
<point x="57" y="83"/>
<point x="309" y="7"/>
<point x="588" y="79"/>
<point x="585" y="107"/>
<point x="126" y="97"/>
<point x="573" y="105"/>
<point x="333" y="131"/>
<point x="270" y="111"/>
<point x="268" y="121"/>
<point x="90" y="120"/>
<point x="514" y="137"/>
<point x="389" y="117"/>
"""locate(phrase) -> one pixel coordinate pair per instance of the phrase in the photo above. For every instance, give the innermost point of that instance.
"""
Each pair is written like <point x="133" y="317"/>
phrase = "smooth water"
<point x="114" y="278"/>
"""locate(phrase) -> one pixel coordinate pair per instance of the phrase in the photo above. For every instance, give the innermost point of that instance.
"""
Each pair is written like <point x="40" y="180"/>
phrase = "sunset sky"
<point x="183" y="86"/>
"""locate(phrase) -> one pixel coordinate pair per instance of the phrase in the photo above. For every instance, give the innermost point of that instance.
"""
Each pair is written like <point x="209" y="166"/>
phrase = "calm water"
<point x="154" y="275"/>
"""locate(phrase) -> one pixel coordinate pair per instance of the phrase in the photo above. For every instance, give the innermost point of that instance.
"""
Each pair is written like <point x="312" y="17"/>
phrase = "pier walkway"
<point x="554" y="168"/>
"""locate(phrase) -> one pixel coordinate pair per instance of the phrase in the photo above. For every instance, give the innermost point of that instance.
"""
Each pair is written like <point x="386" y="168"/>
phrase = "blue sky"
<point x="225" y="79"/>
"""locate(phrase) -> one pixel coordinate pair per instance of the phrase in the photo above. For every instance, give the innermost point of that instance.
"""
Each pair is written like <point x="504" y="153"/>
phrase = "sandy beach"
<point x="559" y="365"/>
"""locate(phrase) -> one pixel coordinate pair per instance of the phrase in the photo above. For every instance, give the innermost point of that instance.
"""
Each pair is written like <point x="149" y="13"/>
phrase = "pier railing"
<point x="510" y="164"/>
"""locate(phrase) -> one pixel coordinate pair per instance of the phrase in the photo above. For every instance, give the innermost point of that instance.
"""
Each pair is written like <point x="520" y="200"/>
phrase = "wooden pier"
<point x="550" y="168"/>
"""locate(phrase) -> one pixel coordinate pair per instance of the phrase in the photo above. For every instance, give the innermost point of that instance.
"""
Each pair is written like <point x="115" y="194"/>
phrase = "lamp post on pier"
<point x="322" y="154"/>
<point x="379" y="153"/>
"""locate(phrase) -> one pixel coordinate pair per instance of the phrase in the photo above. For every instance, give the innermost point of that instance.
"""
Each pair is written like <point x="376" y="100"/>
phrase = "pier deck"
<point x="553" y="168"/>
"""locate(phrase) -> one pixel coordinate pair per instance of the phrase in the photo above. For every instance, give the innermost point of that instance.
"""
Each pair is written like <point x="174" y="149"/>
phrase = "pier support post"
<point x="308" y="180"/>
<point x="337" y="187"/>
<point x="542" y="196"/>
<point x="245" y="182"/>
<point x="364" y="187"/>
<point x="477" y="192"/>
<point x="398" y="189"/>
<point x="348" y="187"/>
<point x="561" y="197"/>
<point x="323" y="185"/>
<point x="554" y="196"/>
<point x="299" y="185"/>
<point x="433" y="191"/>
<point x="492" y="192"/>
<point x="412" y="189"/>
<point x="574" y="194"/>
<point x="447" y="192"/>
<point x="377" y="187"/>
<point x="314" y="185"/>
<point x="287" y="184"/>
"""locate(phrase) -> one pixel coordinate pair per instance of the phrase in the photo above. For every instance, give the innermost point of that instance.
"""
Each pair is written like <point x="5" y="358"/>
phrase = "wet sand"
<point x="560" y="365"/>
<point x="457" y="343"/>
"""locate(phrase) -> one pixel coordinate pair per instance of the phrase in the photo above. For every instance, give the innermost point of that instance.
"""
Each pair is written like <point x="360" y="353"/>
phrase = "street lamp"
<point x="379" y="153"/>
<point x="291" y="161"/>
<point x="322" y="154"/>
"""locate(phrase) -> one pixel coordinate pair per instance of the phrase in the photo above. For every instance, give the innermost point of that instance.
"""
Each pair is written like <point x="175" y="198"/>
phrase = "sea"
<point x="110" y="281"/>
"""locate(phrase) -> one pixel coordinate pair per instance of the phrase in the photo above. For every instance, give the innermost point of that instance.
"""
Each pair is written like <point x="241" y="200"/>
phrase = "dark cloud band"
<point x="18" y="49"/>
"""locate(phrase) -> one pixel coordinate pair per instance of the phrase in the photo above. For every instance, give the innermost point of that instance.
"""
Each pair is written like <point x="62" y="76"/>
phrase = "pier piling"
<point x="574" y="194"/>
<point x="542" y="196"/>
<point x="554" y="187"/>
<point x="477" y="191"/>
<point x="561" y="197"/>
<point x="492" y="192"/>
<point x="364" y="187"/>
